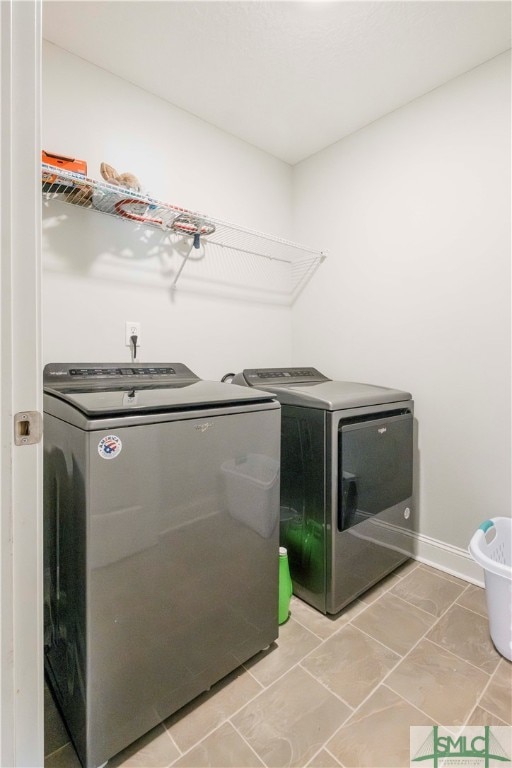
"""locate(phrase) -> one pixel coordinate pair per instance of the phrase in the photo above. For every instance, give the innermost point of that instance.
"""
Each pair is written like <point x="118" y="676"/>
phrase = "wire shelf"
<point x="290" y="263"/>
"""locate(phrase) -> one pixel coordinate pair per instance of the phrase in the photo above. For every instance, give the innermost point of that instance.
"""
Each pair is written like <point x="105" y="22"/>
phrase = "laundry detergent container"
<point x="491" y="547"/>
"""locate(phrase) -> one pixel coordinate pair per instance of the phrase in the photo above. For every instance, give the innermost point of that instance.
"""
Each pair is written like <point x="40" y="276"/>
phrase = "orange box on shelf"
<point x="65" y="163"/>
<point x="51" y="181"/>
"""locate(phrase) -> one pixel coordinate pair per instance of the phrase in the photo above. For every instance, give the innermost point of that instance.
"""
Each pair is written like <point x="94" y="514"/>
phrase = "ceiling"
<point x="288" y="77"/>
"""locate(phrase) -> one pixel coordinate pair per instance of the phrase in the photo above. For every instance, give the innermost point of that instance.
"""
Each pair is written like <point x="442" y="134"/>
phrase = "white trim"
<point x="6" y="585"/>
<point x="21" y="592"/>
<point x="445" y="557"/>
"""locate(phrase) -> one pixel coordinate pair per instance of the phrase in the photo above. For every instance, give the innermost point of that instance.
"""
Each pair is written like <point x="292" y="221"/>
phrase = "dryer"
<point x="346" y="509"/>
<point x="161" y="522"/>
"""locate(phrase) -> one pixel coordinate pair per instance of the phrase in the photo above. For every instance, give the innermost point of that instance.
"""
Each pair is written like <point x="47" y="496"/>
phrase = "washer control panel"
<point x="57" y="375"/>
<point x="119" y="371"/>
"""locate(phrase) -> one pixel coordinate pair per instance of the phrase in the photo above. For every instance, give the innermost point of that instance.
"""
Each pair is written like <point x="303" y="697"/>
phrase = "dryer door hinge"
<point x="28" y="428"/>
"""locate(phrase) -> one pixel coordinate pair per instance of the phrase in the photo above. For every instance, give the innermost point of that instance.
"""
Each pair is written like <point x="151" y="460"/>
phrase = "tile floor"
<point x="414" y="650"/>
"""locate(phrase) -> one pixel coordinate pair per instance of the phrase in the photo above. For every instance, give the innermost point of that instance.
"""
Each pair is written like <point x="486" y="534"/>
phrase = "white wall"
<point x="415" y="294"/>
<point x="98" y="272"/>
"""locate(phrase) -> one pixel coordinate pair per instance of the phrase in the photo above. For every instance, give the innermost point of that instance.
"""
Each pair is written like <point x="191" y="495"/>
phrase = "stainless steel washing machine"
<point x="347" y="509"/>
<point x="161" y="524"/>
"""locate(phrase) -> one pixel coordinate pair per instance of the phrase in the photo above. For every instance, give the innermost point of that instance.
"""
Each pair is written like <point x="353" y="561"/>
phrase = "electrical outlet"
<point x="131" y="328"/>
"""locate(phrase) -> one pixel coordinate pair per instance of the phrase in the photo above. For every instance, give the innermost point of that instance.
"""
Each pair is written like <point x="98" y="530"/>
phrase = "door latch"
<point x="28" y="427"/>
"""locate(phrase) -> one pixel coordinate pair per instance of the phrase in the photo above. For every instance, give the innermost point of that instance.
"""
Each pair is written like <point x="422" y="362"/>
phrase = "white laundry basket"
<point x="491" y="547"/>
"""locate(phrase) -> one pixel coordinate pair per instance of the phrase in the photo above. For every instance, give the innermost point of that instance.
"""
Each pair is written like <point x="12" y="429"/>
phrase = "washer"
<point x="346" y="481"/>
<point x="161" y="525"/>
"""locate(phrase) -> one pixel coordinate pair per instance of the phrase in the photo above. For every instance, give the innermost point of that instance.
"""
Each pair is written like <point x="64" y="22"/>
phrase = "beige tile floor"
<point x="415" y="650"/>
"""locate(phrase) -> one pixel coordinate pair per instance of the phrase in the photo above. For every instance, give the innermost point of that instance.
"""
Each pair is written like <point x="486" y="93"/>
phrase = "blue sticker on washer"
<point x="110" y="447"/>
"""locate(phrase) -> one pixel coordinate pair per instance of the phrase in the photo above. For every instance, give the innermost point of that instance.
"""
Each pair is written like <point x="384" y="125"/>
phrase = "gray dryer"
<point x="347" y="511"/>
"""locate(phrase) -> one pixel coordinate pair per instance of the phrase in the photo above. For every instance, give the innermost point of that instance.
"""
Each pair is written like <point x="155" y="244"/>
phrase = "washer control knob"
<point x="407" y="513"/>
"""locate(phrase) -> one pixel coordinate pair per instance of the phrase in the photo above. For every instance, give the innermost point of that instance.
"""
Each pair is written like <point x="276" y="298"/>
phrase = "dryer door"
<point x="375" y="471"/>
<point x="374" y="509"/>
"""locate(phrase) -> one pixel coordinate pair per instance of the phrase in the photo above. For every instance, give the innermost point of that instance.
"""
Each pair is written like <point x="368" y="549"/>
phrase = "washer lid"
<point x="98" y="390"/>
<point x="123" y="401"/>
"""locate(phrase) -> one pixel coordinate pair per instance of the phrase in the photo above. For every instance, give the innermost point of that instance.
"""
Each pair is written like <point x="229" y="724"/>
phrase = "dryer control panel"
<point x="258" y="377"/>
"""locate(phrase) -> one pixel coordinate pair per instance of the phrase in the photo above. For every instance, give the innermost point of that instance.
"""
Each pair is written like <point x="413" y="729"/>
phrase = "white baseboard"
<point x="453" y="560"/>
<point x="445" y="557"/>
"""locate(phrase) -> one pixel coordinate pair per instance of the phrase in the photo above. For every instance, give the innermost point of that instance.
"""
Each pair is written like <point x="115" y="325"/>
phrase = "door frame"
<point x="21" y="538"/>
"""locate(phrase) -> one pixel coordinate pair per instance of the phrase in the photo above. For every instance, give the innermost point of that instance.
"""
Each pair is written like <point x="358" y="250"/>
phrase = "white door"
<point x="21" y="651"/>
